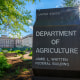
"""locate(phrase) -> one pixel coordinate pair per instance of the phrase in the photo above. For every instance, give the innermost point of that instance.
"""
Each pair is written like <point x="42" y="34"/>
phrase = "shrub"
<point x="24" y="69"/>
<point x="30" y="54"/>
<point x="15" y="56"/>
<point x="11" y="51"/>
<point x="3" y="64"/>
<point x="30" y="49"/>
<point x="5" y="51"/>
<point x="26" y="49"/>
<point x="24" y="59"/>
<point x="17" y="70"/>
<point x="17" y="51"/>
<point x="21" y="52"/>
<point x="24" y="52"/>
<point x="1" y="52"/>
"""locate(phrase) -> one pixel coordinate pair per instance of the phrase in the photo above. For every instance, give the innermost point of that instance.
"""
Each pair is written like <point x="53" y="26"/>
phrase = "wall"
<point x="27" y="41"/>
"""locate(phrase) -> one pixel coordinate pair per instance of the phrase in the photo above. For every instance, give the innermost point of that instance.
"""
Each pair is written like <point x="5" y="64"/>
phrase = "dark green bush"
<point x="11" y="52"/>
<point x="1" y="52"/>
<point x="26" y="49"/>
<point x="21" y="52"/>
<point x="3" y="65"/>
<point x="30" y="54"/>
<point x="17" y="70"/>
<point x="4" y="49"/>
<point x="17" y="51"/>
<point x="24" y="52"/>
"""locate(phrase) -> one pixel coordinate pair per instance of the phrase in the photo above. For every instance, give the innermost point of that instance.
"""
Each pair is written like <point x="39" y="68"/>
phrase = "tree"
<point x="13" y="16"/>
<point x="70" y="3"/>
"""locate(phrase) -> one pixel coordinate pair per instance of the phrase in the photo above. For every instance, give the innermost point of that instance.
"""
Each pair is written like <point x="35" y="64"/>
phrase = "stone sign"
<point x="58" y="16"/>
<point x="56" y="42"/>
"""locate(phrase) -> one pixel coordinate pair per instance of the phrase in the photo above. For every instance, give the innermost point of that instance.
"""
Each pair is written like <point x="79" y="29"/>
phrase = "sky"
<point x="43" y="4"/>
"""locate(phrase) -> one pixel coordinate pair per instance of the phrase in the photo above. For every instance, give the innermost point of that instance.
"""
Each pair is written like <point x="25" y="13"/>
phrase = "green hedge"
<point x="30" y="54"/>
<point x="3" y="65"/>
<point x="22" y="49"/>
<point x="1" y="52"/>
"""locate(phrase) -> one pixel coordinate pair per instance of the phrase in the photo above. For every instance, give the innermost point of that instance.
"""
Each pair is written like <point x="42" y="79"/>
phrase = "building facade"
<point x="27" y="40"/>
<point x="6" y="42"/>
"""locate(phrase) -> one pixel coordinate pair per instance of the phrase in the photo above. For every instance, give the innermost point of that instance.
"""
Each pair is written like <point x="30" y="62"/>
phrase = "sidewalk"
<point x="25" y="56"/>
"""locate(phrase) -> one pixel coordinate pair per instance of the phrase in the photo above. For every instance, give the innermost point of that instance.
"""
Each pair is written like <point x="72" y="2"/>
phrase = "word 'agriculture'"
<point x="57" y="50"/>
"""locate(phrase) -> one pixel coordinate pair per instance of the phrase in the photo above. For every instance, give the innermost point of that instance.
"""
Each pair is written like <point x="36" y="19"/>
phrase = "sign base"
<point x="54" y="78"/>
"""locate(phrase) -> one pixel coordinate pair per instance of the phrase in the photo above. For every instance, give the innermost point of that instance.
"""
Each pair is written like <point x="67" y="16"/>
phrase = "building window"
<point x="7" y="41"/>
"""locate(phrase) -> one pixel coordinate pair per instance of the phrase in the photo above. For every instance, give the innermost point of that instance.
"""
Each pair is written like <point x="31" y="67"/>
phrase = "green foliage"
<point x="1" y="52"/>
<point x="26" y="49"/>
<point x="17" y="70"/>
<point x="24" y="59"/>
<point x="15" y="56"/>
<point x="1" y="73"/>
<point x="11" y="51"/>
<point x="30" y="49"/>
<point x="30" y="54"/>
<point x="3" y="65"/>
<point x="17" y="51"/>
<point x="5" y="51"/>
<point x="23" y="52"/>
<point x="24" y="69"/>
<point x="13" y="16"/>
<point x="69" y="3"/>
<point x="30" y="63"/>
